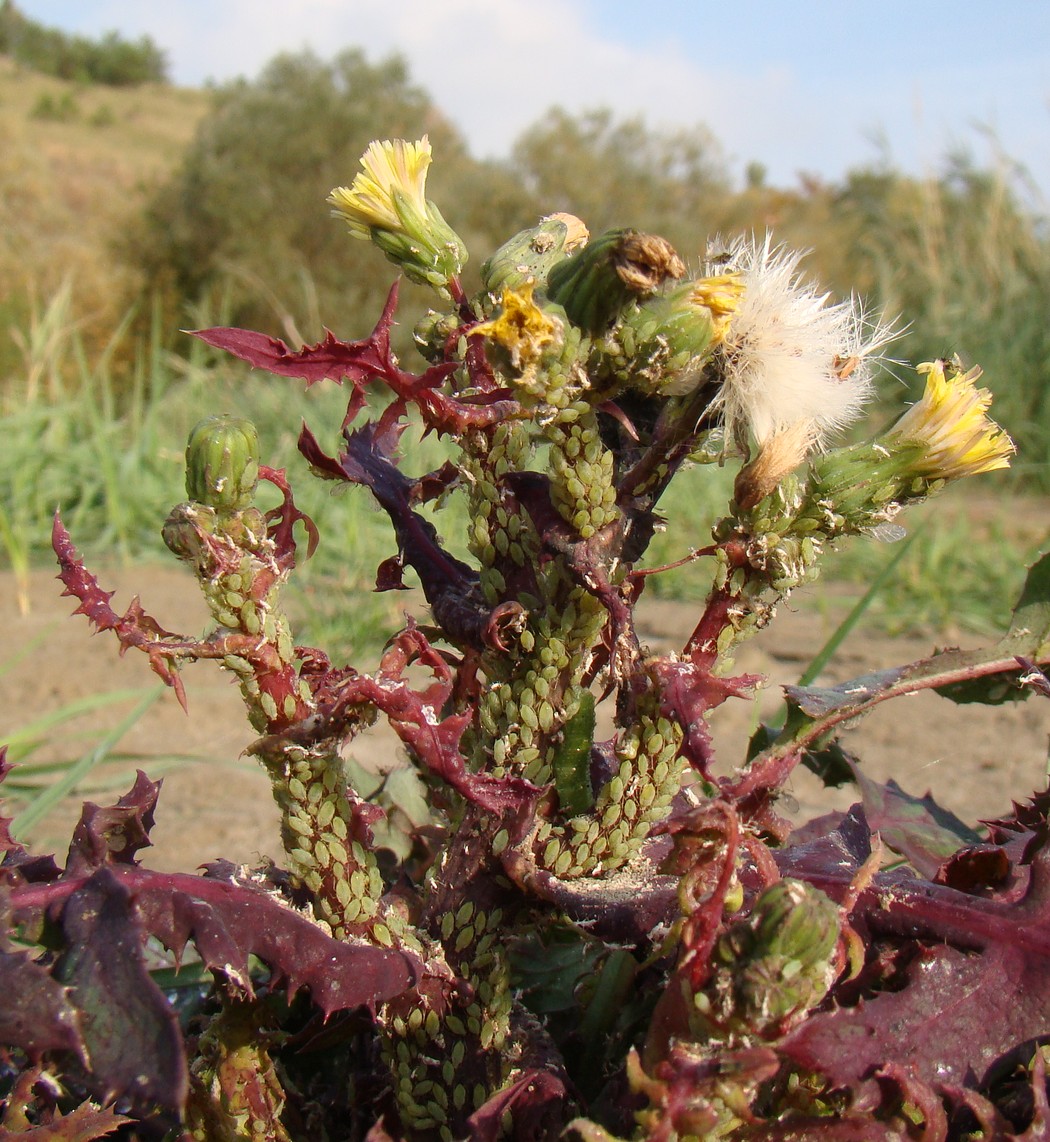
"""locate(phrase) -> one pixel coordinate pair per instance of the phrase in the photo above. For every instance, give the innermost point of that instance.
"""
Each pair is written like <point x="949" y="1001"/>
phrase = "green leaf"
<point x="1028" y="636"/>
<point x="76" y="773"/>
<point x="1031" y="617"/>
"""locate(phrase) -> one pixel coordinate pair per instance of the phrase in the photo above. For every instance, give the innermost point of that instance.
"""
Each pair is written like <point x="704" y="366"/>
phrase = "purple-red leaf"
<point x="36" y="1014"/>
<point x="360" y="362"/>
<point x="687" y="693"/>
<point x="116" y="832"/>
<point x="229" y="920"/>
<point x="916" y="827"/>
<point x="977" y="983"/>
<point x="134" y="628"/>
<point x="282" y="520"/>
<point x="134" y="1047"/>
<point x="535" y="1101"/>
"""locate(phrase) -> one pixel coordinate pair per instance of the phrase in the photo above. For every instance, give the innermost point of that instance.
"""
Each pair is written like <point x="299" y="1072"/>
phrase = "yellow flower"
<point x="393" y="170"/>
<point x="720" y="294"/>
<point x="521" y="327"/>
<point x="951" y="425"/>
<point x="387" y="204"/>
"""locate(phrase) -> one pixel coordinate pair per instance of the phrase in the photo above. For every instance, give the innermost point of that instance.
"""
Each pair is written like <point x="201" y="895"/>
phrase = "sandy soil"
<point x="974" y="759"/>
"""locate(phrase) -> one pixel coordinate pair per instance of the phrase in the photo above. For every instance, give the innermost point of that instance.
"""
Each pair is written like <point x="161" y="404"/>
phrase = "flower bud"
<point x="222" y="463"/>
<point x="186" y="529"/>
<point x="432" y="332"/>
<point x="387" y="204"/>
<point x="660" y="345"/>
<point x="618" y="267"/>
<point x="783" y="958"/>
<point x="528" y="257"/>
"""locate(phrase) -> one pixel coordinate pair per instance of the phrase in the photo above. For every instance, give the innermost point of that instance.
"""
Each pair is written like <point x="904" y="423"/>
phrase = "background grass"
<point x="103" y="190"/>
<point x="110" y="459"/>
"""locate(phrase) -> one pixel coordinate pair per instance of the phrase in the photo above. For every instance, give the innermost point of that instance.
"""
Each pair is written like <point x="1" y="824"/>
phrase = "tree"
<point x="247" y="204"/>
<point x="612" y="173"/>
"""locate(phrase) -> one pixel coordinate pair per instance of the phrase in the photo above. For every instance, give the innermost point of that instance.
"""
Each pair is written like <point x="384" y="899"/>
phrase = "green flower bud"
<point x="432" y="332"/>
<point x="528" y="257"/>
<point x="618" y="267"/>
<point x="660" y="345"/>
<point x="783" y="958"/>
<point x="222" y="463"/>
<point x="183" y="530"/>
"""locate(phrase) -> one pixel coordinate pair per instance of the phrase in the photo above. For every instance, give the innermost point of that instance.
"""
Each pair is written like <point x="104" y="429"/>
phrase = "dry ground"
<point x="975" y="759"/>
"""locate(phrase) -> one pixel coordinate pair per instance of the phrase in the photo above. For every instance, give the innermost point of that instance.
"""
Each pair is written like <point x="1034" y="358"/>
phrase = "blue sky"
<point x="815" y="87"/>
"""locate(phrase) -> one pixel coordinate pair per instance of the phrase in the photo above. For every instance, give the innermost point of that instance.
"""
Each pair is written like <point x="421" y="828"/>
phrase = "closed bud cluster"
<point x="781" y="961"/>
<point x="222" y="463"/>
<point x="528" y="257"/>
<point x="660" y="346"/>
<point x="620" y="266"/>
<point x="387" y="204"/>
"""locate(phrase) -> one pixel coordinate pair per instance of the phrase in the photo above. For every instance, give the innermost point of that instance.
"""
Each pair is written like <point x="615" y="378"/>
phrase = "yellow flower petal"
<point x="722" y="295"/>
<point x="392" y="167"/>
<point x="951" y="423"/>
<point x="521" y="327"/>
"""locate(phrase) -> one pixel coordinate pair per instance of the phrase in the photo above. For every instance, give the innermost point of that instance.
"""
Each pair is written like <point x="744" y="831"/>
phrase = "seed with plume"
<point x="790" y="358"/>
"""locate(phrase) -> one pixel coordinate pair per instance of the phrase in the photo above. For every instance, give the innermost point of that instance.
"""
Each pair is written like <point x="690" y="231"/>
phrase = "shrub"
<point x="111" y="60"/>
<point x="58" y="109"/>
<point x="243" y="210"/>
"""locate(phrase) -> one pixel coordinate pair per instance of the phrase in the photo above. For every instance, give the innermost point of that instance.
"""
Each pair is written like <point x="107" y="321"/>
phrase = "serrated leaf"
<point x="84" y="1124"/>
<point x="115" y="832"/>
<point x="916" y="827"/>
<point x="36" y="1014"/>
<point x="977" y="982"/>
<point x="229" y="921"/>
<point x="134" y="1046"/>
<point x="359" y="362"/>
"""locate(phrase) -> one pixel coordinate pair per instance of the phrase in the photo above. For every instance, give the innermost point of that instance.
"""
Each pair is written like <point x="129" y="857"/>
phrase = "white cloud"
<point x="495" y="68"/>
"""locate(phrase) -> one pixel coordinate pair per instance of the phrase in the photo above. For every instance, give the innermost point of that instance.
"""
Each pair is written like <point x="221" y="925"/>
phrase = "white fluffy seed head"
<point x="789" y="357"/>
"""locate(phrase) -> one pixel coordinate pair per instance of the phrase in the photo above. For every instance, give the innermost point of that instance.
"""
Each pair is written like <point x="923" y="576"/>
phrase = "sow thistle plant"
<point x="599" y="934"/>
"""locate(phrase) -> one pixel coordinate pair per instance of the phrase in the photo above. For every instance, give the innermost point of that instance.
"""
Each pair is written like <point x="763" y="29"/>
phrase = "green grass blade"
<point x="26" y="737"/>
<point x="842" y="631"/>
<point x="51" y="796"/>
<point x="26" y="649"/>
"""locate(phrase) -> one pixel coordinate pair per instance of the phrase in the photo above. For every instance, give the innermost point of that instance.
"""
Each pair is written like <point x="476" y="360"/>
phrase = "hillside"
<point x="76" y="165"/>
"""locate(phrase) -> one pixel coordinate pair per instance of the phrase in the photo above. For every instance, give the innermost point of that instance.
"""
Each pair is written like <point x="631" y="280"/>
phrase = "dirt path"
<point x="974" y="759"/>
